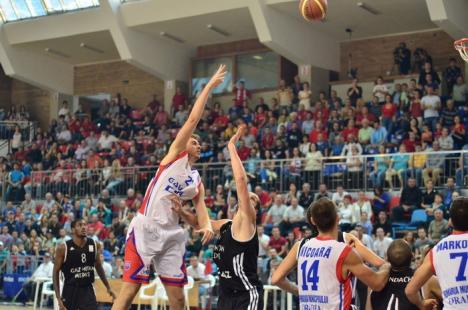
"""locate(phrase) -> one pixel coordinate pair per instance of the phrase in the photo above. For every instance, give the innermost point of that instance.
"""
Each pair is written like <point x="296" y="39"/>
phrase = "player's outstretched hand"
<point x="218" y="77"/>
<point x="429" y="304"/>
<point x="239" y="134"/>
<point x="112" y="294"/>
<point x="208" y="234"/>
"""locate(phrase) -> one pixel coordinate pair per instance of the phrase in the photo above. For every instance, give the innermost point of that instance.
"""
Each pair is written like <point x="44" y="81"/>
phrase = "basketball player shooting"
<point x="236" y="250"/>
<point x="154" y="235"/>
<point x="77" y="259"/>
<point x="448" y="261"/>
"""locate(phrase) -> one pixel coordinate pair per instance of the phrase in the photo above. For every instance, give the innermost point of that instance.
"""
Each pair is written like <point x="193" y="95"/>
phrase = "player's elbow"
<point x="409" y="290"/>
<point x="276" y="278"/>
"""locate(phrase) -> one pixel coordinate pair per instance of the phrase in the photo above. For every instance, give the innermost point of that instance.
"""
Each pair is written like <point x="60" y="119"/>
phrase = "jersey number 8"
<point x="310" y="275"/>
<point x="83" y="258"/>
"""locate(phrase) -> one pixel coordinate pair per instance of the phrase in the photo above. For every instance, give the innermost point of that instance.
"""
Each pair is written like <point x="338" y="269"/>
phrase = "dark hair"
<point x="399" y="253"/>
<point x="323" y="212"/>
<point x="459" y="214"/>
<point x="74" y="222"/>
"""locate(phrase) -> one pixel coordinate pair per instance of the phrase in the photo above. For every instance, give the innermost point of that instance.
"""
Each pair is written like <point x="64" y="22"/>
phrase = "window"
<point x="203" y="69"/>
<point x="11" y="10"/>
<point x="259" y="70"/>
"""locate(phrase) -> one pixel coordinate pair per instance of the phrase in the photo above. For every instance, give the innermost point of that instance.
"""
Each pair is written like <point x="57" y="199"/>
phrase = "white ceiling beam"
<point x="450" y="15"/>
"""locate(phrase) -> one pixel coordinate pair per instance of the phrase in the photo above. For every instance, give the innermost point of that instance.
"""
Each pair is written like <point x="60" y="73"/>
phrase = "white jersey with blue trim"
<point x="320" y="278"/>
<point x="176" y="178"/>
<point x="450" y="263"/>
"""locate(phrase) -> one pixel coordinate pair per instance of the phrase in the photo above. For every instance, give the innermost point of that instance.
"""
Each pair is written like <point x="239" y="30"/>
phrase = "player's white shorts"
<point x="150" y="243"/>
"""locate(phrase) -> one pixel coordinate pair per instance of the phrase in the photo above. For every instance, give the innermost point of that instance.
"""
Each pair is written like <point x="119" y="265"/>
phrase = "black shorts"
<point x="79" y="297"/>
<point x="241" y="300"/>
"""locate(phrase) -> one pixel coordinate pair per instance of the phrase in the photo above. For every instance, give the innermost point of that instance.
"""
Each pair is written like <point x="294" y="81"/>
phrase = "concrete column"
<point x="317" y="78"/>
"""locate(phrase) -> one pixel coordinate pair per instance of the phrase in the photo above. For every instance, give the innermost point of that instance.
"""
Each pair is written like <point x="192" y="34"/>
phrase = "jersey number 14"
<point x="310" y="275"/>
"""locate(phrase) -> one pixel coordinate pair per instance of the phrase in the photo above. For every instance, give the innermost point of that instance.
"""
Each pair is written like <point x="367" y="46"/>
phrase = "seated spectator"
<point x="422" y="240"/>
<point x="446" y="140"/>
<point x="105" y="142"/>
<point x="349" y="145"/>
<point x="380" y="201"/>
<point x="322" y="193"/>
<point x="338" y="197"/>
<point x="381" y="163"/>
<point x="271" y="264"/>
<point x="410" y="200"/>
<point x="460" y="92"/>
<point x="398" y="166"/>
<point x="294" y="216"/>
<point x="416" y="164"/>
<point x="365" y="223"/>
<point x="365" y="133"/>
<point x="277" y="242"/>
<point x="439" y="227"/>
<point x="434" y="164"/>
<point x="275" y="214"/>
<point x="381" y="243"/>
<point x="427" y="69"/>
<point x="307" y="197"/>
<point x="437" y="204"/>
<point x="345" y="210"/>
<point x="14" y="181"/>
<point x="44" y="270"/>
<point x="363" y="237"/>
<point x="448" y="191"/>
<point x="354" y="164"/>
<point x="361" y="205"/>
<point x="428" y="195"/>
<point x="196" y="270"/>
<point x="462" y="170"/>
<point x="451" y="73"/>
<point x="313" y="164"/>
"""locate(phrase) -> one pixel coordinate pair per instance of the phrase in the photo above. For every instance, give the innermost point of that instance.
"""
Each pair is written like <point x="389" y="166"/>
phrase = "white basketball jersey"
<point x="176" y="178"/>
<point x="449" y="262"/>
<point x="320" y="278"/>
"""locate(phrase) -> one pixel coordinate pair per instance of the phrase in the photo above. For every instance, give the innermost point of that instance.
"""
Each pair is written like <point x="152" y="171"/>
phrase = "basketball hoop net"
<point x="462" y="47"/>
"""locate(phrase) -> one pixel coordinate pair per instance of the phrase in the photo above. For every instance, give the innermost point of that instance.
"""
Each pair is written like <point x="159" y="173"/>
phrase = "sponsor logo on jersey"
<point x="91" y="248"/>
<point x="127" y="265"/>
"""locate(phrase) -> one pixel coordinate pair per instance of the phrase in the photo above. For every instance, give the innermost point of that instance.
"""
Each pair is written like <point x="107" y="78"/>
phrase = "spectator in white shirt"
<point x="106" y="266"/>
<point x="49" y="202"/>
<point x="338" y="197"/>
<point x="380" y="90"/>
<point x="293" y="216"/>
<point x="346" y="214"/>
<point x="361" y="205"/>
<point x="196" y="270"/>
<point x="275" y="215"/>
<point x="431" y="105"/>
<point x="365" y="238"/>
<point x="106" y="140"/>
<point x="43" y="271"/>
<point x="381" y="243"/>
<point x="64" y="111"/>
<point x="64" y="135"/>
<point x="82" y="150"/>
<point x="446" y="140"/>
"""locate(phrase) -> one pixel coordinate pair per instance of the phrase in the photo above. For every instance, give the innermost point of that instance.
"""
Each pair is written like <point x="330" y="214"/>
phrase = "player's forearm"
<point x="102" y="276"/>
<point x="287" y="286"/>
<point x="203" y="218"/>
<point x="368" y="255"/>
<point x="56" y="283"/>
<point x="414" y="298"/>
<point x="189" y="218"/>
<point x="380" y="279"/>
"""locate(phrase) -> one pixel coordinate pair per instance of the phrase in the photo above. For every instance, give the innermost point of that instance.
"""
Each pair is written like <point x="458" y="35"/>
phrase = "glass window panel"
<point x="69" y="5"/>
<point x="53" y="5"/>
<point x="37" y="7"/>
<point x="259" y="70"/>
<point x="22" y="9"/>
<point x="203" y="69"/>
<point x="8" y="10"/>
<point x="86" y="3"/>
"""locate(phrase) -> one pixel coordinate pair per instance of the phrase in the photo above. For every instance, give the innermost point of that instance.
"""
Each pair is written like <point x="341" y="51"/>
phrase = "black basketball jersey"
<point x="78" y="265"/>
<point x="393" y="296"/>
<point x="237" y="262"/>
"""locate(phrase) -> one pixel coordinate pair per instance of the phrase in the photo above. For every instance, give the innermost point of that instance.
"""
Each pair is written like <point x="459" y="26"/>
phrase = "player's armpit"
<point x="289" y="263"/>
<point x="374" y="280"/>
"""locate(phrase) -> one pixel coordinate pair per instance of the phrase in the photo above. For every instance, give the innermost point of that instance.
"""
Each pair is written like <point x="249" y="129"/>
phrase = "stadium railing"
<point x="270" y="174"/>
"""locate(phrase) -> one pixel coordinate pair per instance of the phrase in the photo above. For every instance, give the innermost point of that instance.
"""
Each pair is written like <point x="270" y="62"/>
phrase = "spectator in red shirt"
<point x="242" y="95"/>
<point x="243" y="150"/>
<point x="260" y="117"/>
<point x="95" y="227"/>
<point x="162" y="117"/>
<point x="350" y="130"/>
<point x="264" y="197"/>
<point x="268" y="139"/>
<point x="365" y="115"/>
<point x="277" y="242"/>
<point x="152" y="107"/>
<point x="416" y="107"/>
<point x="179" y="100"/>
<point x="411" y="142"/>
<point x="313" y="137"/>
<point x="221" y="121"/>
<point x="389" y="110"/>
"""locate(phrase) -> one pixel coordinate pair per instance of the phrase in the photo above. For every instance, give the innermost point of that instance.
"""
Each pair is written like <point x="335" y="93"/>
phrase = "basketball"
<point x="313" y="9"/>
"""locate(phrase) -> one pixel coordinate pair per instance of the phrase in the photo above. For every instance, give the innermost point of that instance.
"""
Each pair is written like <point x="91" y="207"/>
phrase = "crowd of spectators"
<point x="91" y="162"/>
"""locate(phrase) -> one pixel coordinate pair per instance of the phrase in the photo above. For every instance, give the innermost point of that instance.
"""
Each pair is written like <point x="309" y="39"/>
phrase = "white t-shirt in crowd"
<point x="276" y="212"/>
<point x="294" y="214"/>
<point x="263" y="239"/>
<point x="381" y="88"/>
<point x="337" y="198"/>
<point x="106" y="142"/>
<point x="430" y="104"/>
<point x="381" y="246"/>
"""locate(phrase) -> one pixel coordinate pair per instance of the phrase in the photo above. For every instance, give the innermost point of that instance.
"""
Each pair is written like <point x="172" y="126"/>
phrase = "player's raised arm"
<point x="203" y="218"/>
<point x="289" y="263"/>
<point x="246" y="210"/>
<point x="180" y="142"/>
<point x="367" y="255"/>
<point x="421" y="276"/>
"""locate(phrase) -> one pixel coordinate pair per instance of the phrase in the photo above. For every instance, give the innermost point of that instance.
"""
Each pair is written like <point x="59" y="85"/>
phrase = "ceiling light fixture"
<point x="91" y="48"/>
<point x="56" y="53"/>
<point x="257" y="57"/>
<point x="217" y="30"/>
<point x="171" y="37"/>
<point x="368" y="8"/>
